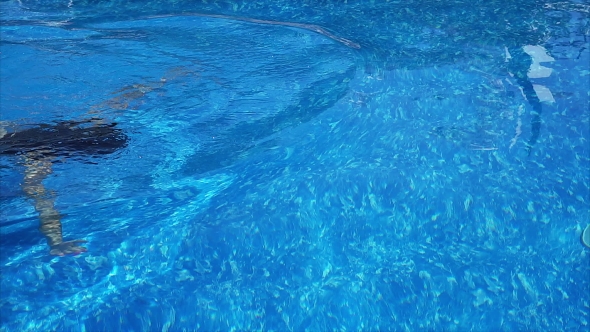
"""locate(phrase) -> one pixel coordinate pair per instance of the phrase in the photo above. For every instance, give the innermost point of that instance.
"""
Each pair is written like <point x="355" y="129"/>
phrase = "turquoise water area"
<point x="350" y="165"/>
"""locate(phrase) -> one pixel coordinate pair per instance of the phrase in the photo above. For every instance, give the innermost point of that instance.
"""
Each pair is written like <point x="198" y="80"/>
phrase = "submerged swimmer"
<point x="39" y="147"/>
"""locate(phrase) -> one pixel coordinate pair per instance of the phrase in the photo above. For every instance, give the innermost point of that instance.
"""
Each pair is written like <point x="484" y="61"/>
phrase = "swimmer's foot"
<point x="67" y="248"/>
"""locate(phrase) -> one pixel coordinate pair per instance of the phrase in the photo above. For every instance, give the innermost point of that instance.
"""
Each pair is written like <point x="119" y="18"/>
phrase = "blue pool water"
<point x="411" y="165"/>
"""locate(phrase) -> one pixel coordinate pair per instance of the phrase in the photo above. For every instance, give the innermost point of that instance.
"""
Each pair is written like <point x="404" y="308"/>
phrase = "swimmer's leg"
<point x="37" y="170"/>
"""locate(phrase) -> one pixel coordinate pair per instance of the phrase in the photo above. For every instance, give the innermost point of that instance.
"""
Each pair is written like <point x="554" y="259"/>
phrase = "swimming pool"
<point x="392" y="165"/>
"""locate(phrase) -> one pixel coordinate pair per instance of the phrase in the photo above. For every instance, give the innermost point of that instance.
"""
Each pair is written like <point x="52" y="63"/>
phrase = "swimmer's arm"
<point x="37" y="170"/>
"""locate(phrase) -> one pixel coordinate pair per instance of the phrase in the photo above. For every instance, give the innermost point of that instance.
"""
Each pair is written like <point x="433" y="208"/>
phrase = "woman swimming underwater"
<point x="38" y="147"/>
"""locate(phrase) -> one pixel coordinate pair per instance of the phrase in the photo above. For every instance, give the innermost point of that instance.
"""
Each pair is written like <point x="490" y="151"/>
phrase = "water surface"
<point x="398" y="165"/>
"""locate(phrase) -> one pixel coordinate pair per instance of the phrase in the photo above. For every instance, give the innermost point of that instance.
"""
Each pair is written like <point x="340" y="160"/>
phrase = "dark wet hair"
<point x="65" y="138"/>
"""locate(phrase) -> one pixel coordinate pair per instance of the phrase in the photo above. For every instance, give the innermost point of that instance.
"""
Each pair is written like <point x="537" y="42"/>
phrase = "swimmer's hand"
<point x="67" y="248"/>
